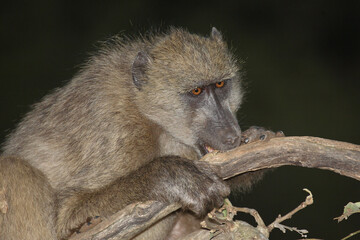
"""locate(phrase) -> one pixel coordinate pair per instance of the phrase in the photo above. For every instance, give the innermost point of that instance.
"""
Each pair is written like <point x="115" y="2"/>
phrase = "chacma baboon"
<point x="126" y="128"/>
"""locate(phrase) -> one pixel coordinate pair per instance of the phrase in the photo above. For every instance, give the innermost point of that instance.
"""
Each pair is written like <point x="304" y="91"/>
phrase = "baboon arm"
<point x="168" y="179"/>
<point x="75" y="205"/>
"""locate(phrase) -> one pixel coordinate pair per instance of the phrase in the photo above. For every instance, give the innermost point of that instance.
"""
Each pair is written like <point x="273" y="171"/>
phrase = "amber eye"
<point x="220" y="84"/>
<point x="196" y="91"/>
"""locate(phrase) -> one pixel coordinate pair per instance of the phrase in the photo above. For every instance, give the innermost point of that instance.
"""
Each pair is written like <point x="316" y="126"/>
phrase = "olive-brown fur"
<point x="119" y="132"/>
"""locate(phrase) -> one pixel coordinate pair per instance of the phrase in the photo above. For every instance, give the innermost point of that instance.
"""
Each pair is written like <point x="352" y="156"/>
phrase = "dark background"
<point x="303" y="77"/>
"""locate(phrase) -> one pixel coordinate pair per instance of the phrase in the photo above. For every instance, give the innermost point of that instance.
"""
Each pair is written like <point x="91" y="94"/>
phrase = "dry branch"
<point x="311" y="152"/>
<point x="128" y="222"/>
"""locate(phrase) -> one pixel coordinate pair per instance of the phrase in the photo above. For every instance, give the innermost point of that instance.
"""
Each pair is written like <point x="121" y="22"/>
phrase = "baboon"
<point x="128" y="127"/>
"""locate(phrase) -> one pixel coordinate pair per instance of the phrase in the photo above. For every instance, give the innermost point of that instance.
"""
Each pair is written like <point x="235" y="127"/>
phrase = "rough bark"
<point x="128" y="222"/>
<point x="340" y="157"/>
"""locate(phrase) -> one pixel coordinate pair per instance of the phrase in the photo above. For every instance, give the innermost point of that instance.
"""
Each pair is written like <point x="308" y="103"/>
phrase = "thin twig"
<point x="351" y="235"/>
<point x="260" y="222"/>
<point x="308" y="201"/>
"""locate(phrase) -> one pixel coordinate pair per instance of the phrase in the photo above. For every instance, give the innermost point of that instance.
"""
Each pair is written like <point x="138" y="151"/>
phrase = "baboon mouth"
<point x="205" y="148"/>
<point x="208" y="149"/>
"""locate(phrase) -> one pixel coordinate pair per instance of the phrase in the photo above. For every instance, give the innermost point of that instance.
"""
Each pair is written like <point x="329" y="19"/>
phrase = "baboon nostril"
<point x="232" y="139"/>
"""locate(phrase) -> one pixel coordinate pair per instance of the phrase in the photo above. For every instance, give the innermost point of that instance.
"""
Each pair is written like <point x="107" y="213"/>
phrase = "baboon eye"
<point x="220" y="84"/>
<point x="196" y="91"/>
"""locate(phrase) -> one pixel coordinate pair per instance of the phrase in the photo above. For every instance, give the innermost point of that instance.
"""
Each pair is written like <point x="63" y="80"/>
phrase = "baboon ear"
<point x="138" y="69"/>
<point x="215" y="34"/>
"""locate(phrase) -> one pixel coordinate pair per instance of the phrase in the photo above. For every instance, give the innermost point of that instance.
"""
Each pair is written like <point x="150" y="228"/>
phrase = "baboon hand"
<point x="254" y="134"/>
<point x="191" y="183"/>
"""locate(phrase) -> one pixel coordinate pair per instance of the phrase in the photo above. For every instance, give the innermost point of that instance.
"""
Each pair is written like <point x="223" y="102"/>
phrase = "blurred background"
<point x="303" y="77"/>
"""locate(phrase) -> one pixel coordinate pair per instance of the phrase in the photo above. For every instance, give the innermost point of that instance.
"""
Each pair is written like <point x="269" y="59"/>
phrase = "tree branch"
<point x="340" y="157"/>
<point x="128" y="222"/>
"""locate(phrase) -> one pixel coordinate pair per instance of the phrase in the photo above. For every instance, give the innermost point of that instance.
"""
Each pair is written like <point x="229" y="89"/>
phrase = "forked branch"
<point x="340" y="157"/>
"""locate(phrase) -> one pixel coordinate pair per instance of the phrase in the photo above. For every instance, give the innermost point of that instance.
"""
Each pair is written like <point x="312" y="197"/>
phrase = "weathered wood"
<point x="311" y="152"/>
<point x="128" y="222"/>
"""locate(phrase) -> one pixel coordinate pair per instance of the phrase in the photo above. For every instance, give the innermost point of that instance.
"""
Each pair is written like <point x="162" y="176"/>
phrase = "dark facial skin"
<point x="210" y="102"/>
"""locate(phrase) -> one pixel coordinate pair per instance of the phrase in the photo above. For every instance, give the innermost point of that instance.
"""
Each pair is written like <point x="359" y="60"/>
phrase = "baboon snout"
<point x="230" y="138"/>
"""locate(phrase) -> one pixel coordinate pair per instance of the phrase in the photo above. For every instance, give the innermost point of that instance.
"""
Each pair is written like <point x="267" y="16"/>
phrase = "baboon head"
<point x="190" y="86"/>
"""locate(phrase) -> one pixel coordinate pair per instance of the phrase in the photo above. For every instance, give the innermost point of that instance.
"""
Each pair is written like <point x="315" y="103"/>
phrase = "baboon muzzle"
<point x="222" y="131"/>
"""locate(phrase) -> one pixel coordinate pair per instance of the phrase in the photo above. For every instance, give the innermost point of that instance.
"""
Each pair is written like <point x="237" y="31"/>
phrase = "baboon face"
<point x="189" y="85"/>
<point x="213" y="120"/>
